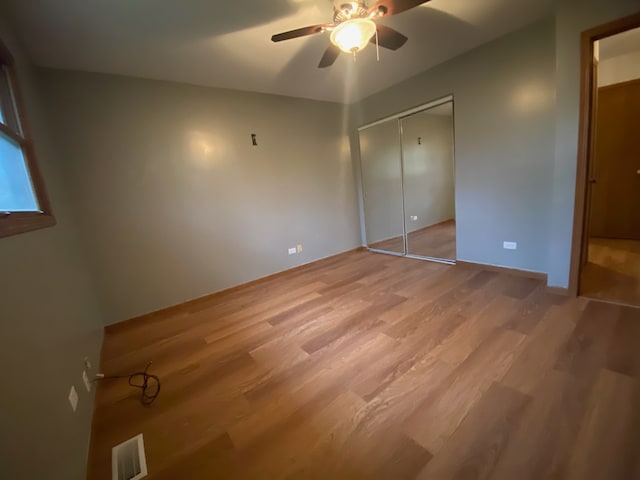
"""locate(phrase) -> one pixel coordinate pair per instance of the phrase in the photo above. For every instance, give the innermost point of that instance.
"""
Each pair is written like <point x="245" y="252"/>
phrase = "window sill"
<point x="17" y="223"/>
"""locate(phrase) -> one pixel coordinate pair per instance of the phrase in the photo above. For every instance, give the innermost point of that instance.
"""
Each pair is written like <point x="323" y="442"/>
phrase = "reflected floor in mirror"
<point x="437" y="241"/>
<point x="613" y="271"/>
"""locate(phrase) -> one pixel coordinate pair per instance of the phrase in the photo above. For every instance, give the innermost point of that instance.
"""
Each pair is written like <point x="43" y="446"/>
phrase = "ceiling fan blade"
<point x="389" y="38"/>
<point x="330" y="56"/>
<point x="299" y="32"/>
<point x="386" y="8"/>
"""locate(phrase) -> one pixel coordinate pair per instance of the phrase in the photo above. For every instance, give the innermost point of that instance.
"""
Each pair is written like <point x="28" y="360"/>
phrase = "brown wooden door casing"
<point x="615" y="195"/>
<point x="594" y="109"/>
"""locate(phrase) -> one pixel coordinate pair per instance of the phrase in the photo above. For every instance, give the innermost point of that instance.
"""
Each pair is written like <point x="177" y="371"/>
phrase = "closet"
<point x="408" y="183"/>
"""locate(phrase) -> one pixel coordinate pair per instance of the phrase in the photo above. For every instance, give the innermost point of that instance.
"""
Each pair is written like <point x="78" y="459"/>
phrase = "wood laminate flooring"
<point x="436" y="241"/>
<point x="367" y="366"/>
<point x="613" y="271"/>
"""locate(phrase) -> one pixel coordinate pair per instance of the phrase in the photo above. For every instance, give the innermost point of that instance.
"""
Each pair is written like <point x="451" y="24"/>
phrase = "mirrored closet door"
<point x="382" y="187"/>
<point x="408" y="175"/>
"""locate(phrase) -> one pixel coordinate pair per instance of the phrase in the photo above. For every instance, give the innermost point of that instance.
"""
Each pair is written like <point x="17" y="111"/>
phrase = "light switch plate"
<point x="510" y="245"/>
<point x="293" y="251"/>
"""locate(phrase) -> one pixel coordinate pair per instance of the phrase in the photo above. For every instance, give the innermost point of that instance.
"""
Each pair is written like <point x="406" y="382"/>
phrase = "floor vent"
<point x="128" y="461"/>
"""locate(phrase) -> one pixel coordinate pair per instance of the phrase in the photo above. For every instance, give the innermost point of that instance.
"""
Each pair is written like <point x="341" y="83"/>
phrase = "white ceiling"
<point x="620" y="44"/>
<point x="227" y="44"/>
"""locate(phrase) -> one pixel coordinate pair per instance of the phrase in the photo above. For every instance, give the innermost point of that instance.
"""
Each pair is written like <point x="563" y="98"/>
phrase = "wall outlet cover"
<point x="299" y="248"/>
<point x="293" y="251"/>
<point x="73" y="398"/>
<point x="510" y="245"/>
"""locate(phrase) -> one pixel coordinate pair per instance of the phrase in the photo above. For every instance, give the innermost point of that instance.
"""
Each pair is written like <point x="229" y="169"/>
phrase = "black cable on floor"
<point x="147" y="382"/>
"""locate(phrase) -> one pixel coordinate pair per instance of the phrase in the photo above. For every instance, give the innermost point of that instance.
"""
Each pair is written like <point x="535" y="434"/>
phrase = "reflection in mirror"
<point x="428" y="160"/>
<point x="382" y="187"/>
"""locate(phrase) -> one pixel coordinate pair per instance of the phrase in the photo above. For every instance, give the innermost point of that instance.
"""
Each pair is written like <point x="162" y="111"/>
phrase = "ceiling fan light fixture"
<point x="353" y="35"/>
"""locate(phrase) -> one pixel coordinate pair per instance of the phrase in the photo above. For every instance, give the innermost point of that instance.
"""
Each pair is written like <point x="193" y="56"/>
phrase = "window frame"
<point x="13" y="223"/>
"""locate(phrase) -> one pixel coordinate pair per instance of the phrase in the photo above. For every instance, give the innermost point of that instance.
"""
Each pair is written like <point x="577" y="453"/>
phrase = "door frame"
<point x="406" y="113"/>
<point x="585" y="139"/>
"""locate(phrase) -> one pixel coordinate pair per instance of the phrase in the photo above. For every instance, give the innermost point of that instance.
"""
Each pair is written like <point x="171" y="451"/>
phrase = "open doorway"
<point x="609" y="250"/>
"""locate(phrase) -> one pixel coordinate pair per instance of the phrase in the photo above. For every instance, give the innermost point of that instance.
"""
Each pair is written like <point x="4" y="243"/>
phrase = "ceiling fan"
<point x="354" y="26"/>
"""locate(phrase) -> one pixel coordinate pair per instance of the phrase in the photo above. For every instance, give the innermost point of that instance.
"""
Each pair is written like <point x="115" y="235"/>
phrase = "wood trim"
<point x="584" y="136"/>
<point x="21" y="222"/>
<point x="507" y="270"/>
<point x="189" y="304"/>
<point x="11" y="134"/>
<point x="586" y="226"/>
<point x="613" y="28"/>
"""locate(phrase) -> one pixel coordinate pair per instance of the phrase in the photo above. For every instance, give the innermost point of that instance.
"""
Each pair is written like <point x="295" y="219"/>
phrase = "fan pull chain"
<point x="377" y="46"/>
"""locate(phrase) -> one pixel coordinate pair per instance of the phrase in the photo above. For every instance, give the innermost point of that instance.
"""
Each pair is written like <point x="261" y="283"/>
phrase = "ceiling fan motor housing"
<point x="350" y="10"/>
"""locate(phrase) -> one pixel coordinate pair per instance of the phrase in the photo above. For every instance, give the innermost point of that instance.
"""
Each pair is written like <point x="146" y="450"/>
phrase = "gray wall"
<point x="175" y="203"/>
<point x="49" y="321"/>
<point x="504" y="142"/>
<point x="572" y="18"/>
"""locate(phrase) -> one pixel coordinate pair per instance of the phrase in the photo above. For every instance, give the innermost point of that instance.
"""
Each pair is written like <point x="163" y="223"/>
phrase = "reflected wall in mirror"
<point x="382" y="187"/>
<point x="429" y="179"/>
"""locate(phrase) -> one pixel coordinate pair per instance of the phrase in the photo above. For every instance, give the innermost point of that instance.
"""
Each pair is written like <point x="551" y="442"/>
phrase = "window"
<point x="23" y="202"/>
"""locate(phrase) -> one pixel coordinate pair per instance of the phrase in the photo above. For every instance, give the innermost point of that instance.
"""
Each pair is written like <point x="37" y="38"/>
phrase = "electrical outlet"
<point x="85" y="379"/>
<point x="510" y="245"/>
<point x="73" y="398"/>
<point x="299" y="248"/>
<point x="414" y="218"/>
<point x="293" y="251"/>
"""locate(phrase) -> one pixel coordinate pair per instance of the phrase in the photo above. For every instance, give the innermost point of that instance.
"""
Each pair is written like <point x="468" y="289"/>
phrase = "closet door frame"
<point x="397" y="117"/>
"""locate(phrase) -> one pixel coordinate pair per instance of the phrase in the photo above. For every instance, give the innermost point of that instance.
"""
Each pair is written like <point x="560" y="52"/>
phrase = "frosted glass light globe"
<point x="353" y="35"/>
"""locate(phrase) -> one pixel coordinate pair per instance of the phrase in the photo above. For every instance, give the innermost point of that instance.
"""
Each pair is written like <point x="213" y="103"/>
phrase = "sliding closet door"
<point x="428" y="158"/>
<point x="382" y="187"/>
